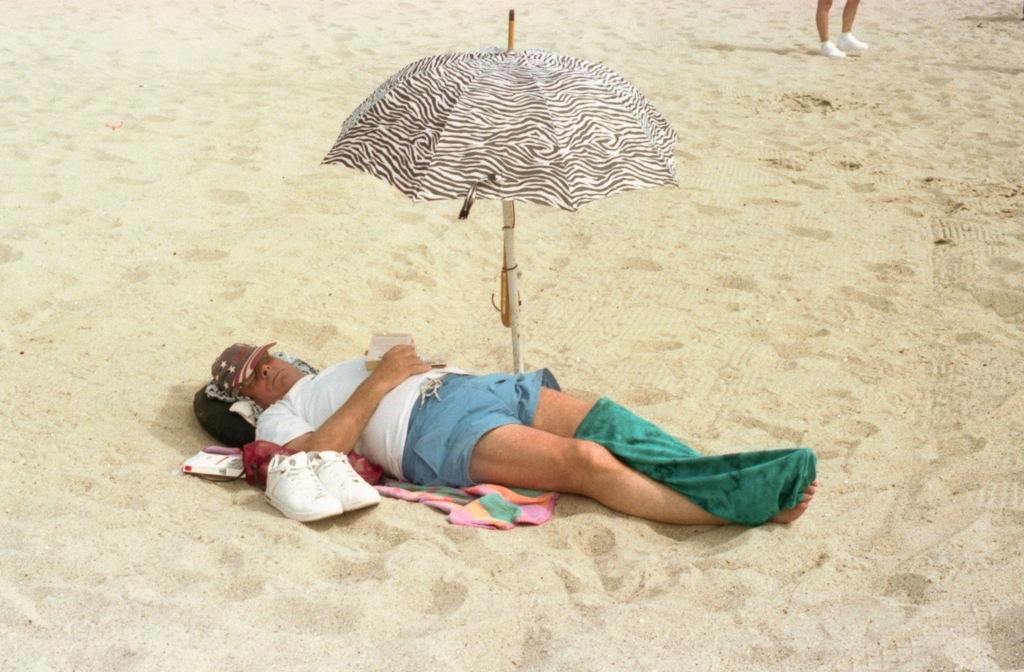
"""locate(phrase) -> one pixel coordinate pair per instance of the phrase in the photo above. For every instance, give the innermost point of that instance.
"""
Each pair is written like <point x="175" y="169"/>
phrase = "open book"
<point x="381" y="343"/>
<point x="215" y="461"/>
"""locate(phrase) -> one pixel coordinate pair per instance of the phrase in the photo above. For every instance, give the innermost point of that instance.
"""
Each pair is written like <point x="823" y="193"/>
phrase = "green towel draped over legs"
<point x="746" y="488"/>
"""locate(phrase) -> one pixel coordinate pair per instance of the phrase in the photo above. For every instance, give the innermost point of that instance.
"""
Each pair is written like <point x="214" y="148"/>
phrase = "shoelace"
<point x="304" y="476"/>
<point x="346" y="466"/>
<point x="350" y="473"/>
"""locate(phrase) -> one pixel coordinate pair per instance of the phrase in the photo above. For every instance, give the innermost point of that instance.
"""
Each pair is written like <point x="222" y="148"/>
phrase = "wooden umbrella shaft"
<point x="511" y="273"/>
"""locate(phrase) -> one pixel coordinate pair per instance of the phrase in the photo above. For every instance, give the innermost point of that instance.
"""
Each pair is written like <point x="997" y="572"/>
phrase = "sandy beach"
<point x="841" y="267"/>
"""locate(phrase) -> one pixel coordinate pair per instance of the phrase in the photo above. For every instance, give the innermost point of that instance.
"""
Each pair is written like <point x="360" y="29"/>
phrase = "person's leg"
<point x="821" y="18"/>
<point x="846" y="41"/>
<point x="524" y="457"/>
<point x="561" y="414"/>
<point x="849" y="14"/>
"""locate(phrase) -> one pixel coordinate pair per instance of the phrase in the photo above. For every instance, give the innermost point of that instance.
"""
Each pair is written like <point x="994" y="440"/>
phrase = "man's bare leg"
<point x="561" y="414"/>
<point x="524" y="457"/>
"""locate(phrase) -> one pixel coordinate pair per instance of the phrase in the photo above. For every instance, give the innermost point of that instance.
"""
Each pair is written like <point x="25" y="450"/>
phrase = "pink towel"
<point x="491" y="507"/>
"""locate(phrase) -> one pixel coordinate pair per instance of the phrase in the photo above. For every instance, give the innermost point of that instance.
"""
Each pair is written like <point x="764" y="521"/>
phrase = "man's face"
<point x="270" y="381"/>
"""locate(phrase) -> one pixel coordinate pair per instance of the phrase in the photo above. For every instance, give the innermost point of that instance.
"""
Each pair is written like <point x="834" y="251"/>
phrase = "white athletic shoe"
<point x="830" y="50"/>
<point x="847" y="42"/>
<point x="294" y="490"/>
<point x="342" y="481"/>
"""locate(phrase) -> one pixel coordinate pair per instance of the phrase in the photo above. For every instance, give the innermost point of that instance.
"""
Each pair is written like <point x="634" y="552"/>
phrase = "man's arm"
<point x="342" y="430"/>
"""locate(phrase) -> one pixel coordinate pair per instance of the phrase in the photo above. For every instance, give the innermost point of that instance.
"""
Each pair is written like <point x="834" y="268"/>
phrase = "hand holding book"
<point x="381" y="343"/>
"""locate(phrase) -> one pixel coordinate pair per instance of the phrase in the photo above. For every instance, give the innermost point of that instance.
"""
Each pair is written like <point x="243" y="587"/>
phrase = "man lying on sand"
<point x="445" y="427"/>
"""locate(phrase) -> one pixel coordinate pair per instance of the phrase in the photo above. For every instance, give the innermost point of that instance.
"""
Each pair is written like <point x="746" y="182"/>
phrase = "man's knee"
<point x="587" y="463"/>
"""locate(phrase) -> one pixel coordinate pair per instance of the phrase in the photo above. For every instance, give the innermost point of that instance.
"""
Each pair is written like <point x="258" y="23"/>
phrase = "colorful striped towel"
<point x="491" y="507"/>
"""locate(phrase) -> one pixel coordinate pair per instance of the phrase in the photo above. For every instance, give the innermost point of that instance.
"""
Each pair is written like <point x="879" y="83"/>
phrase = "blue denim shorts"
<point x="443" y="430"/>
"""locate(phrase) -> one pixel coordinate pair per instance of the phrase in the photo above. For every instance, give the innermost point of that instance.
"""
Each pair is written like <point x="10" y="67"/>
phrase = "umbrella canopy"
<point x="527" y="125"/>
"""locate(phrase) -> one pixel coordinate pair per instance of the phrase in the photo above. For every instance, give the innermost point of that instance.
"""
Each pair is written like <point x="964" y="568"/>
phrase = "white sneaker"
<point x="294" y="490"/>
<point x="847" y="42"/>
<point x="830" y="50"/>
<point x="342" y="481"/>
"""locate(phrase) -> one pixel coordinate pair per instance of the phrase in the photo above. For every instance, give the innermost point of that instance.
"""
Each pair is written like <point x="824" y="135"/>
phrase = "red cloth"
<point x="258" y="454"/>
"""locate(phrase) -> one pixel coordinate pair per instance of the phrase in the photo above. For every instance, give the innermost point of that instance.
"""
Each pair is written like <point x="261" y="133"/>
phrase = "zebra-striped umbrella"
<point x="528" y="125"/>
<point x="555" y="130"/>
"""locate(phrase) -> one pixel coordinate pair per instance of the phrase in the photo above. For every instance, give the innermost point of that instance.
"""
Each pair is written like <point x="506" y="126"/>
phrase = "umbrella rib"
<point x="475" y="75"/>
<point x="535" y="82"/>
<point x="643" y="126"/>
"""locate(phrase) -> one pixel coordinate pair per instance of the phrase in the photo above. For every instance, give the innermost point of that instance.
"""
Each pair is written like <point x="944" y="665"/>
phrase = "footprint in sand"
<point x="911" y="587"/>
<point x="9" y="254"/>
<point x="788" y="435"/>
<point x="862" y="187"/>
<point x="895" y="271"/>
<point x="203" y="255"/>
<point x="386" y="291"/>
<point x="228" y="196"/>
<point x="447" y="597"/>
<point x="774" y="202"/>
<point x="1004" y="636"/>
<point x="816" y="234"/>
<point x="807" y="102"/>
<point x="137" y="274"/>
<point x="739" y="282"/>
<point x="573" y="584"/>
<point x="641" y="264"/>
<point x="600" y="541"/>
<point x="237" y="292"/>
<point x="877" y="302"/>
<point x="961" y="445"/>
<point x="1005" y="265"/>
<point x="715" y="211"/>
<point x="812" y="185"/>
<point x="970" y="338"/>
<point x="346" y="571"/>
<point x="786" y="164"/>
<point x="1005" y="303"/>
<point x="412" y="275"/>
<point x="646" y="396"/>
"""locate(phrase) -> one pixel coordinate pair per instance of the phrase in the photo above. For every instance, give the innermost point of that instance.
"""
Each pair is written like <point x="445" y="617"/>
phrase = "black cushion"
<point x="215" y="416"/>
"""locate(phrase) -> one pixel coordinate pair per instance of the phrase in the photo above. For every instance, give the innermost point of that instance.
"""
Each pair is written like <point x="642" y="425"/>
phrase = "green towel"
<point x="746" y="488"/>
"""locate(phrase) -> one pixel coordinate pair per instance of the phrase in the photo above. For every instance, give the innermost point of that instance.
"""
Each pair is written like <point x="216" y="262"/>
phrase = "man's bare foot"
<point x="789" y="515"/>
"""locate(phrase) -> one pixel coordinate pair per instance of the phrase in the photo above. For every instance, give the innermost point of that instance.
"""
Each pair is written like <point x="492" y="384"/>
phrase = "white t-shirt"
<point x="314" y="399"/>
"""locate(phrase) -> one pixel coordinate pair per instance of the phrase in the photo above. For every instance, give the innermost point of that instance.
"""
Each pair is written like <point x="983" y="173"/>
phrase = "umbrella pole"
<point x="511" y="271"/>
<point x="508" y="210"/>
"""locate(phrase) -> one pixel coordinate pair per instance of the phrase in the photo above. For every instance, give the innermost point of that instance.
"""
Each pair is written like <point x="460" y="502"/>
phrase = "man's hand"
<point x="342" y="430"/>
<point x="396" y="366"/>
